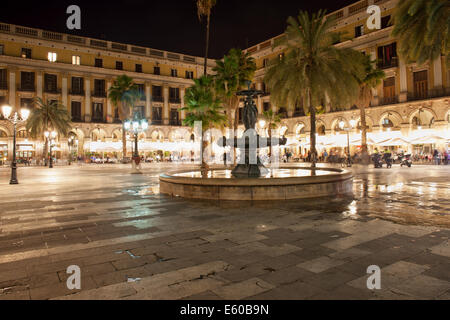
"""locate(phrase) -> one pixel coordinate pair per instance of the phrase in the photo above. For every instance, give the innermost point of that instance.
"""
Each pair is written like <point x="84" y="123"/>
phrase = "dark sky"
<point x="166" y="24"/>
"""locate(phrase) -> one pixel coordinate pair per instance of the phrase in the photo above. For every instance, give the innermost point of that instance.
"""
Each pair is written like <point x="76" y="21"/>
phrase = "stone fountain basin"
<point x="288" y="183"/>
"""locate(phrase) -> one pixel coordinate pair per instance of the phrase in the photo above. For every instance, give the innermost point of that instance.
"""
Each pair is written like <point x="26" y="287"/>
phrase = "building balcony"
<point x="77" y="119"/>
<point x="77" y="92"/>
<point x="393" y="63"/>
<point x="99" y="94"/>
<point x="388" y="100"/>
<point x="174" y="100"/>
<point x="98" y="120"/>
<point x="156" y="122"/>
<point x="52" y="90"/>
<point x="157" y="99"/>
<point x="26" y="88"/>
<point x="176" y="123"/>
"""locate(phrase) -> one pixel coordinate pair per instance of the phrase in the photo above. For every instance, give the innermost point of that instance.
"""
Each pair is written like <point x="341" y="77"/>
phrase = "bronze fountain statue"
<point x="250" y="165"/>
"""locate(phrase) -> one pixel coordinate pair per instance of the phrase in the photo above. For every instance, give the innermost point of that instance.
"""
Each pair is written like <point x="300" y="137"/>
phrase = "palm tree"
<point x="123" y="94"/>
<point x="204" y="10"/>
<point x="51" y="116"/>
<point x="371" y="79"/>
<point x="202" y="104"/>
<point x="273" y="120"/>
<point x="423" y="29"/>
<point x="313" y="72"/>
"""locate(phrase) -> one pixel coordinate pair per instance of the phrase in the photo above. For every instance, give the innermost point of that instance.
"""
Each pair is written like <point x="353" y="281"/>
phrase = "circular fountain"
<point x="250" y="179"/>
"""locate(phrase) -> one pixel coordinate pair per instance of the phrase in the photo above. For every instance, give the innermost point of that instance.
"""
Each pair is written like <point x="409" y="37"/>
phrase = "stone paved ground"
<point x="133" y="243"/>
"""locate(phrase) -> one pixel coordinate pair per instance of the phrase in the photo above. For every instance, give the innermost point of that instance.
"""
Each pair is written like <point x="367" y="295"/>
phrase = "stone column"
<point x="64" y="90"/>
<point x="437" y="68"/>
<point x="183" y="112"/>
<point x="166" y="104"/>
<point x="12" y="88"/>
<point x="39" y="84"/>
<point x="148" y="104"/>
<point x="109" y="106"/>
<point x="403" y="82"/>
<point x="87" y="99"/>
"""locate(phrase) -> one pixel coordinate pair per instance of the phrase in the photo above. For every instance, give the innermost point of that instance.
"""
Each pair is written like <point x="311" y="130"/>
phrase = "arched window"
<point x="387" y="123"/>
<point x="3" y="134"/>
<point x="22" y="134"/>
<point x="321" y="130"/>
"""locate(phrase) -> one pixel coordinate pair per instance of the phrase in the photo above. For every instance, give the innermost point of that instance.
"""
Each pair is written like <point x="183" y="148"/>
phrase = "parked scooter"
<point x="406" y="161"/>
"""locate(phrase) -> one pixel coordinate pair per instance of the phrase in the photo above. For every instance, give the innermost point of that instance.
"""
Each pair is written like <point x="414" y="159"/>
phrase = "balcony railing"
<point x="158" y="99"/>
<point x="174" y="100"/>
<point x="99" y="94"/>
<point x="175" y="122"/>
<point x="77" y="92"/>
<point x="156" y="121"/>
<point x="117" y="120"/>
<point x="98" y="120"/>
<point x="26" y="88"/>
<point x="393" y="63"/>
<point x="52" y="90"/>
<point x="77" y="119"/>
<point x="388" y="100"/>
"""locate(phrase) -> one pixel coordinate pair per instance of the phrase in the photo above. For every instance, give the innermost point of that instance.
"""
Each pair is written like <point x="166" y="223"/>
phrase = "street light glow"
<point x="6" y="110"/>
<point x="24" y="113"/>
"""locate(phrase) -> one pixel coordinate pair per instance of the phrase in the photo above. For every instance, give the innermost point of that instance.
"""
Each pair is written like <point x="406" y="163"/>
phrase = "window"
<point x="266" y="106"/>
<point x="139" y="68"/>
<point x="421" y="84"/>
<point x="97" y="112"/>
<point x="99" y="63"/>
<point x="141" y="89"/>
<point x="99" y="88"/>
<point x="387" y="123"/>
<point x="51" y="56"/>
<point x="50" y="83"/>
<point x="281" y="56"/>
<point x="174" y="95"/>
<point x="76" y="60"/>
<point x="389" y="90"/>
<point x="387" y="56"/>
<point x="27" y="81"/>
<point x="119" y="65"/>
<point x="359" y="31"/>
<point x="174" y="72"/>
<point x="77" y="85"/>
<point x="385" y="22"/>
<point x="157" y="93"/>
<point x="2" y="49"/>
<point x="157" y="71"/>
<point x="265" y="62"/>
<point x="139" y="111"/>
<point x="76" y="111"/>
<point x="3" y="79"/>
<point x="156" y="115"/>
<point x="189" y="74"/>
<point x="27" y="103"/>
<point x="174" y="117"/>
<point x="26" y="53"/>
<point x="241" y="115"/>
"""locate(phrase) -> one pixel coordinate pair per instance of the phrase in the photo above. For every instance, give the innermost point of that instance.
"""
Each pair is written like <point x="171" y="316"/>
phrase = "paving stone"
<point x="243" y="289"/>
<point x="320" y="264"/>
<point x="286" y="275"/>
<point x="424" y="287"/>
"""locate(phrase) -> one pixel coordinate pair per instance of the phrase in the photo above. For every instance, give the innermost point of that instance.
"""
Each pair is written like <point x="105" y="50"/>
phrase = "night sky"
<point x="170" y="25"/>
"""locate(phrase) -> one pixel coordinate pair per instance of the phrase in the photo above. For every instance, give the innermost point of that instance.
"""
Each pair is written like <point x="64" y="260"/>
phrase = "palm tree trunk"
<point x="312" y="112"/>
<point x="364" y="152"/>
<point x="124" y="143"/>
<point x="204" y="166"/>
<point x="45" y="152"/>
<point x="235" y="130"/>
<point x="270" y="141"/>
<point x="207" y="45"/>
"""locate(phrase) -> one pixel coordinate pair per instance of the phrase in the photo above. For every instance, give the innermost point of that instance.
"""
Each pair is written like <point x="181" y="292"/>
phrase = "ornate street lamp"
<point x="15" y="119"/>
<point x="135" y="127"/>
<point x="51" y="136"/>
<point x="347" y="130"/>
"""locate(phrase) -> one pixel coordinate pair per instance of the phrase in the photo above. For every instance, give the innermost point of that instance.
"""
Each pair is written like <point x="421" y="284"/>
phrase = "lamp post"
<point x="51" y="136"/>
<point x="347" y="130"/>
<point x="15" y="119"/>
<point x="135" y="127"/>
